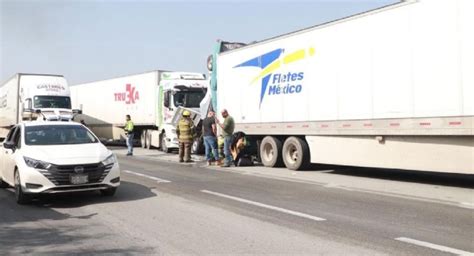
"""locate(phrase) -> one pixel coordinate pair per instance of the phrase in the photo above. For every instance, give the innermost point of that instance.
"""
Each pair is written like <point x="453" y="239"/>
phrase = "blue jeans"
<point x="130" y="143"/>
<point x="210" y="144"/>
<point x="227" y="154"/>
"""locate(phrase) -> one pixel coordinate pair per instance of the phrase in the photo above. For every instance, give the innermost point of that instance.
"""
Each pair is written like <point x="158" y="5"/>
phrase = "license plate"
<point x="79" y="179"/>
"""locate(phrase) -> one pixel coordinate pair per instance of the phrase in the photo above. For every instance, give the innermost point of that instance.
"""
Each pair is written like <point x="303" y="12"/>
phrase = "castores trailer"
<point x="26" y="97"/>
<point x="151" y="99"/>
<point x="388" y="88"/>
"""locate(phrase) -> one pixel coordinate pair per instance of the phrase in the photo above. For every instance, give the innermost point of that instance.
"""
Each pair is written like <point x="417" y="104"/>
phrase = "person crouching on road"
<point x="209" y="132"/>
<point x="129" y="133"/>
<point x="185" y="132"/>
<point x="227" y="130"/>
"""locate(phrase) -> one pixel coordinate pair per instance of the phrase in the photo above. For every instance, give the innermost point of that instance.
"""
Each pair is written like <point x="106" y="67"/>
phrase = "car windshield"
<point x="52" y="102"/>
<point x="58" y="135"/>
<point x="188" y="99"/>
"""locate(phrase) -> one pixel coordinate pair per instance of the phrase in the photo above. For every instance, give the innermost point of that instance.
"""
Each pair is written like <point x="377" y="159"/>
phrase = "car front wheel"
<point x="20" y="196"/>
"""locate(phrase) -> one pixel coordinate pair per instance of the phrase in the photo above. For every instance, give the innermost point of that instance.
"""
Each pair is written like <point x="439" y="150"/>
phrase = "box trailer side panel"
<point x="107" y="102"/>
<point x="9" y="100"/>
<point x="381" y="65"/>
<point x="466" y="21"/>
<point x="390" y="88"/>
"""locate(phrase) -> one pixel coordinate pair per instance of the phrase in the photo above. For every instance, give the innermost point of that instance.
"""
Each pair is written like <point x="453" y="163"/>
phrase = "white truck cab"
<point x="48" y="95"/>
<point x="177" y="90"/>
<point x="27" y="97"/>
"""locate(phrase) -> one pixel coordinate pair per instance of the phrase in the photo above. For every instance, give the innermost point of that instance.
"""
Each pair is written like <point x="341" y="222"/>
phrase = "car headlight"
<point x="110" y="160"/>
<point x="37" y="163"/>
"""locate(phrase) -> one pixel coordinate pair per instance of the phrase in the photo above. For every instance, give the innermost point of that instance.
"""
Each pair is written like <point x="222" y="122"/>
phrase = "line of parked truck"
<point x="388" y="88"/>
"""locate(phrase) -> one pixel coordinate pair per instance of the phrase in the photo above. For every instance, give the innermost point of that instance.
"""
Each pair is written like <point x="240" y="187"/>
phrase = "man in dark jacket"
<point x="209" y="136"/>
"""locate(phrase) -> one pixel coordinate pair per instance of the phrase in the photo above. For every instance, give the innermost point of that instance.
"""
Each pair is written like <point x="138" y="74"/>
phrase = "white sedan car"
<point x="55" y="157"/>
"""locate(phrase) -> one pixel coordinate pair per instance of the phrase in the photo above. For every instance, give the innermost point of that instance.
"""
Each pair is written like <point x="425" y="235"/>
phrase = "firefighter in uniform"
<point x="185" y="132"/>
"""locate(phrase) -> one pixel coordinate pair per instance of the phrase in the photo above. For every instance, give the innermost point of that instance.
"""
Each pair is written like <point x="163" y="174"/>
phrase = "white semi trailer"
<point x="389" y="88"/>
<point x="151" y="99"/>
<point x="32" y="96"/>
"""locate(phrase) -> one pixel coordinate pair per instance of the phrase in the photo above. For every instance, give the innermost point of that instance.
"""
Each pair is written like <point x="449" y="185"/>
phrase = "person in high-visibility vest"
<point x="185" y="132"/>
<point x="129" y="133"/>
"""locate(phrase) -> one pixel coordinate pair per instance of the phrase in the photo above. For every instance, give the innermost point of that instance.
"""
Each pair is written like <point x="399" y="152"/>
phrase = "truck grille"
<point x="60" y="174"/>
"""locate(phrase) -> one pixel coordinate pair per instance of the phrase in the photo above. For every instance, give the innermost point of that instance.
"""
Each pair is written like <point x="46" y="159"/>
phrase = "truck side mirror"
<point x="27" y="106"/>
<point x="77" y="111"/>
<point x="166" y="100"/>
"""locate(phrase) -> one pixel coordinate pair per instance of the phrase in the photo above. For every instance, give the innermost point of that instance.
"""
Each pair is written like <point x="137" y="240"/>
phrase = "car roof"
<point x="43" y="123"/>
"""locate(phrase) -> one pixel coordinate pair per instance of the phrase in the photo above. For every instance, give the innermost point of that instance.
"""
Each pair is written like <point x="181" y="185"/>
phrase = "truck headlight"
<point x="110" y="160"/>
<point x="37" y="164"/>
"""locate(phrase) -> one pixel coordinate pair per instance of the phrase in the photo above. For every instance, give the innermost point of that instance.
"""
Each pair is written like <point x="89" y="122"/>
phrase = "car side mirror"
<point x="9" y="145"/>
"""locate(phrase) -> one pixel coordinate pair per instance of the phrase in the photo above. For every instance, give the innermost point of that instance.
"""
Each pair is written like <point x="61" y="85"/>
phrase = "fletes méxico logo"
<point x="288" y="82"/>
<point x="130" y="96"/>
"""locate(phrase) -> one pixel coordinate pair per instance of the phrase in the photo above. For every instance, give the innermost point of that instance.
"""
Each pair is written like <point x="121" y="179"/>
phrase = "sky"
<point x="91" y="40"/>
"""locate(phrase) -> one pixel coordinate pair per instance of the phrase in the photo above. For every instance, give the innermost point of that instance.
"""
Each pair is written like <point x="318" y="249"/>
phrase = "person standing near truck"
<point x="185" y="132"/>
<point x="129" y="133"/>
<point x="209" y="132"/>
<point x="227" y="130"/>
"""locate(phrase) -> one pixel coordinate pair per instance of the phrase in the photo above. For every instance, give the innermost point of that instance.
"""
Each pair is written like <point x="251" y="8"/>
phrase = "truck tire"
<point x="198" y="147"/>
<point x="143" y="139"/>
<point x="295" y="154"/>
<point x="20" y="196"/>
<point x="163" y="146"/>
<point x="148" y="140"/>
<point x="270" y="152"/>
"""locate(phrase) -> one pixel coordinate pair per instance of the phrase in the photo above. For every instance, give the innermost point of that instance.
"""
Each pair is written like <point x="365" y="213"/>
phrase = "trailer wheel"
<point x="270" y="152"/>
<point x="148" y="140"/>
<point x="296" y="154"/>
<point x="143" y="139"/>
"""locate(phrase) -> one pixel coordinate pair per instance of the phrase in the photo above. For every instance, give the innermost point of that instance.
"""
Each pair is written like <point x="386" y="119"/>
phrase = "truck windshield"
<point x="52" y="102"/>
<point x="58" y="135"/>
<point x="188" y="99"/>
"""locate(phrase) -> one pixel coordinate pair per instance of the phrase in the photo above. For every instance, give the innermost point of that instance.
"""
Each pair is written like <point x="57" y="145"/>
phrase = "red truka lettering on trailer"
<point x="130" y="96"/>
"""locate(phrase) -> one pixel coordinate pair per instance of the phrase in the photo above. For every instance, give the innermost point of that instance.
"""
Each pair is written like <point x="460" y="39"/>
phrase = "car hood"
<point x="68" y="154"/>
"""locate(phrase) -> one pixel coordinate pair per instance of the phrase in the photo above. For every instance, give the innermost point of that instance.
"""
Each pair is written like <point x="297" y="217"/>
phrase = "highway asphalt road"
<point x="163" y="207"/>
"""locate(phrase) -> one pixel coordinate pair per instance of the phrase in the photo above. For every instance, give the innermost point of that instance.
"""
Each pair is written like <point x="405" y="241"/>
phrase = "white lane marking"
<point x="468" y="205"/>
<point x="434" y="246"/>
<point x="299" y="214"/>
<point x="147" y="176"/>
